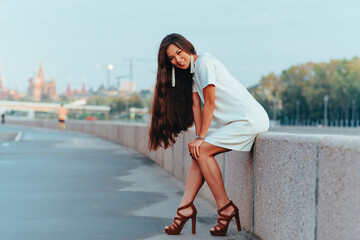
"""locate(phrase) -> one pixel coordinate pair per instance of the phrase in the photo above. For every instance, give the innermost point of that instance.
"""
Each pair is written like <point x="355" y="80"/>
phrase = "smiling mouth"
<point x="182" y="64"/>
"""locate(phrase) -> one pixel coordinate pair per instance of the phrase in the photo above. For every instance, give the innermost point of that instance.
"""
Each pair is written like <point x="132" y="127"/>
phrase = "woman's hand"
<point x="194" y="148"/>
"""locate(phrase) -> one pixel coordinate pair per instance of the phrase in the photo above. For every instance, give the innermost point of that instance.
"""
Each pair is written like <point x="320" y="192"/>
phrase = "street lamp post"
<point x="326" y="99"/>
<point x="353" y="113"/>
<point x="297" y="112"/>
<point x="109" y="68"/>
<point x="274" y="108"/>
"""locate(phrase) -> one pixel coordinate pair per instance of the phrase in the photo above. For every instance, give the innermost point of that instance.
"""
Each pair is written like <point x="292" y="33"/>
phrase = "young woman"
<point x="184" y="81"/>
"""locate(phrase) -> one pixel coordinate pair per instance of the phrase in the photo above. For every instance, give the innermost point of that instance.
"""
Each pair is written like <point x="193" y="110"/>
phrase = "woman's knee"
<point x="203" y="153"/>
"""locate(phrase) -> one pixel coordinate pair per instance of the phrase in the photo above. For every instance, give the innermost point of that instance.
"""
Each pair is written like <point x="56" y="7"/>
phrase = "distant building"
<point x="1" y="80"/>
<point x="39" y="89"/>
<point x="7" y="94"/>
<point x="146" y="93"/>
<point x="127" y="88"/>
<point x="76" y="93"/>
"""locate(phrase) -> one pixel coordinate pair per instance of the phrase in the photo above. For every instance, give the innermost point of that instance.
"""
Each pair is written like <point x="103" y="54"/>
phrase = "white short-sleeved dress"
<point x="240" y="116"/>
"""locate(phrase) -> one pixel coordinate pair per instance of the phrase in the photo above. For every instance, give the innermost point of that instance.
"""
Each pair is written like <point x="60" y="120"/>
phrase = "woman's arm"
<point x="206" y="118"/>
<point x="208" y="110"/>
<point x="196" y="112"/>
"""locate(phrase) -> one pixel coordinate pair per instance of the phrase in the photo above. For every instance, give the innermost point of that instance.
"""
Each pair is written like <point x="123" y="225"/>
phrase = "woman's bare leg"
<point x="212" y="174"/>
<point x="194" y="182"/>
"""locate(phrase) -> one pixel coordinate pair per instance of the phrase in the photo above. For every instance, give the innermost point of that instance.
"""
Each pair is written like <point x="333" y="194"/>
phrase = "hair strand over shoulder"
<point x="172" y="106"/>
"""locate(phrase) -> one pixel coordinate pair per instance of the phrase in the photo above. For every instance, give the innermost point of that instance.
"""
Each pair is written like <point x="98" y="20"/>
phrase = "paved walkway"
<point x="73" y="186"/>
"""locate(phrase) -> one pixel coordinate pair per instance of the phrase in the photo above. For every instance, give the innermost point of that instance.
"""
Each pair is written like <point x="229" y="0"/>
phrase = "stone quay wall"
<point x="291" y="186"/>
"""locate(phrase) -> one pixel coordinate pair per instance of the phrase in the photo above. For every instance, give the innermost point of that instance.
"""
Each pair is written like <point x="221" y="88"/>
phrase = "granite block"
<point x="152" y="155"/>
<point x="285" y="182"/>
<point x="159" y="156"/>
<point x="167" y="160"/>
<point x="339" y="188"/>
<point x="116" y="134"/>
<point x="83" y="126"/>
<point x="106" y="133"/>
<point x="104" y="130"/>
<point x="140" y="136"/>
<point x="188" y="137"/>
<point x="100" y="130"/>
<point x="238" y="179"/>
<point x="178" y="157"/>
<point x="70" y="125"/>
<point x="131" y="138"/>
<point x="136" y="138"/>
<point x="145" y="145"/>
<point x="119" y="134"/>
<point x="75" y="126"/>
<point x="112" y="132"/>
<point x="47" y="124"/>
<point x="124" y="134"/>
<point x="87" y="127"/>
<point x="90" y="127"/>
<point x="53" y="124"/>
<point x="97" y="129"/>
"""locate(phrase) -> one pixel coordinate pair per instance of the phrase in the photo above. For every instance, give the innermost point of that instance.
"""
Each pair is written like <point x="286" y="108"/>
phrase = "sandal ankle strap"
<point x="226" y="206"/>
<point x="187" y="206"/>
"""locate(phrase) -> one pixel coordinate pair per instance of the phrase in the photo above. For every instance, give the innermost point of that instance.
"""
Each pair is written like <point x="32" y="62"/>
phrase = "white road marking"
<point x="18" y="136"/>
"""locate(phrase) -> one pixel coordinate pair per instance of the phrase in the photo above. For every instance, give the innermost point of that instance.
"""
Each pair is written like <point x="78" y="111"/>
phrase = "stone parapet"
<point x="291" y="186"/>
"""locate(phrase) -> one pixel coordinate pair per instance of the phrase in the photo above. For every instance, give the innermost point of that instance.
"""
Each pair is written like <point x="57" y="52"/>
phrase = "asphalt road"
<point x="73" y="186"/>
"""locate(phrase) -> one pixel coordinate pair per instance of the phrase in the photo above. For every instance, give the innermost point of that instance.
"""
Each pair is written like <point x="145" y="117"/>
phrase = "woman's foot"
<point x="225" y="214"/>
<point x="183" y="214"/>
<point x="187" y="212"/>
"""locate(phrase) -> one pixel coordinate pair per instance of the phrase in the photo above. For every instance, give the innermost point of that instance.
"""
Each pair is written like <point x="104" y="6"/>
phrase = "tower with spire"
<point x="39" y="89"/>
<point x="4" y="93"/>
<point x="1" y="79"/>
<point x="68" y="90"/>
<point x="83" y="89"/>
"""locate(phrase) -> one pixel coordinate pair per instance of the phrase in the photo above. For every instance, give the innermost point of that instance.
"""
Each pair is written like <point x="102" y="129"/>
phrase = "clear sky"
<point x="252" y="38"/>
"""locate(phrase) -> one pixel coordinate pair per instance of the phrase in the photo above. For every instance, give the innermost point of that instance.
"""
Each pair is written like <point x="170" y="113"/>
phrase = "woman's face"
<point x="178" y="57"/>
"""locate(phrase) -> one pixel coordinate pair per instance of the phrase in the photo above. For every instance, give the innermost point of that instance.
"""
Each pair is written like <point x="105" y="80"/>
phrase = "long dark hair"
<point x="172" y="106"/>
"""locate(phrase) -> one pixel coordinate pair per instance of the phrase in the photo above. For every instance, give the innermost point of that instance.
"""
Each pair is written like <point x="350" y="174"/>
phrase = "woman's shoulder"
<point x="205" y="59"/>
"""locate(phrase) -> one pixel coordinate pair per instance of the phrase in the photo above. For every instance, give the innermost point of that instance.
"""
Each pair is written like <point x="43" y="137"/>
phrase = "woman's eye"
<point x="179" y="52"/>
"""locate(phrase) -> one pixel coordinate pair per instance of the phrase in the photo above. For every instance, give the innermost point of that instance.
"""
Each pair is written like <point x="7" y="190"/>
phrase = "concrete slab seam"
<point x="253" y="190"/>
<point x="223" y="168"/>
<point x="154" y="160"/>
<point x="162" y="159"/>
<point x="317" y="160"/>
<point x="172" y="160"/>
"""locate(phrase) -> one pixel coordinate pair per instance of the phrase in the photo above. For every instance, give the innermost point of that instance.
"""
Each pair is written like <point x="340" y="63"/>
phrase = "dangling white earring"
<point x="192" y="65"/>
<point x="173" y="77"/>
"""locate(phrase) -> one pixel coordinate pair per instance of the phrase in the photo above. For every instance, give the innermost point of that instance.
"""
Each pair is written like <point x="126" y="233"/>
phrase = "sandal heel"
<point x="193" y="220"/>
<point x="238" y="221"/>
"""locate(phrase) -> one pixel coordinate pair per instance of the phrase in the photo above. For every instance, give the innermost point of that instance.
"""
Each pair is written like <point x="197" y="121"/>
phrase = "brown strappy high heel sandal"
<point x="175" y="228"/>
<point x="222" y="228"/>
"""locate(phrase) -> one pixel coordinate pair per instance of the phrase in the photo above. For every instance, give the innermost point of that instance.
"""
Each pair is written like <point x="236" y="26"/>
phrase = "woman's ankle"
<point x="221" y="203"/>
